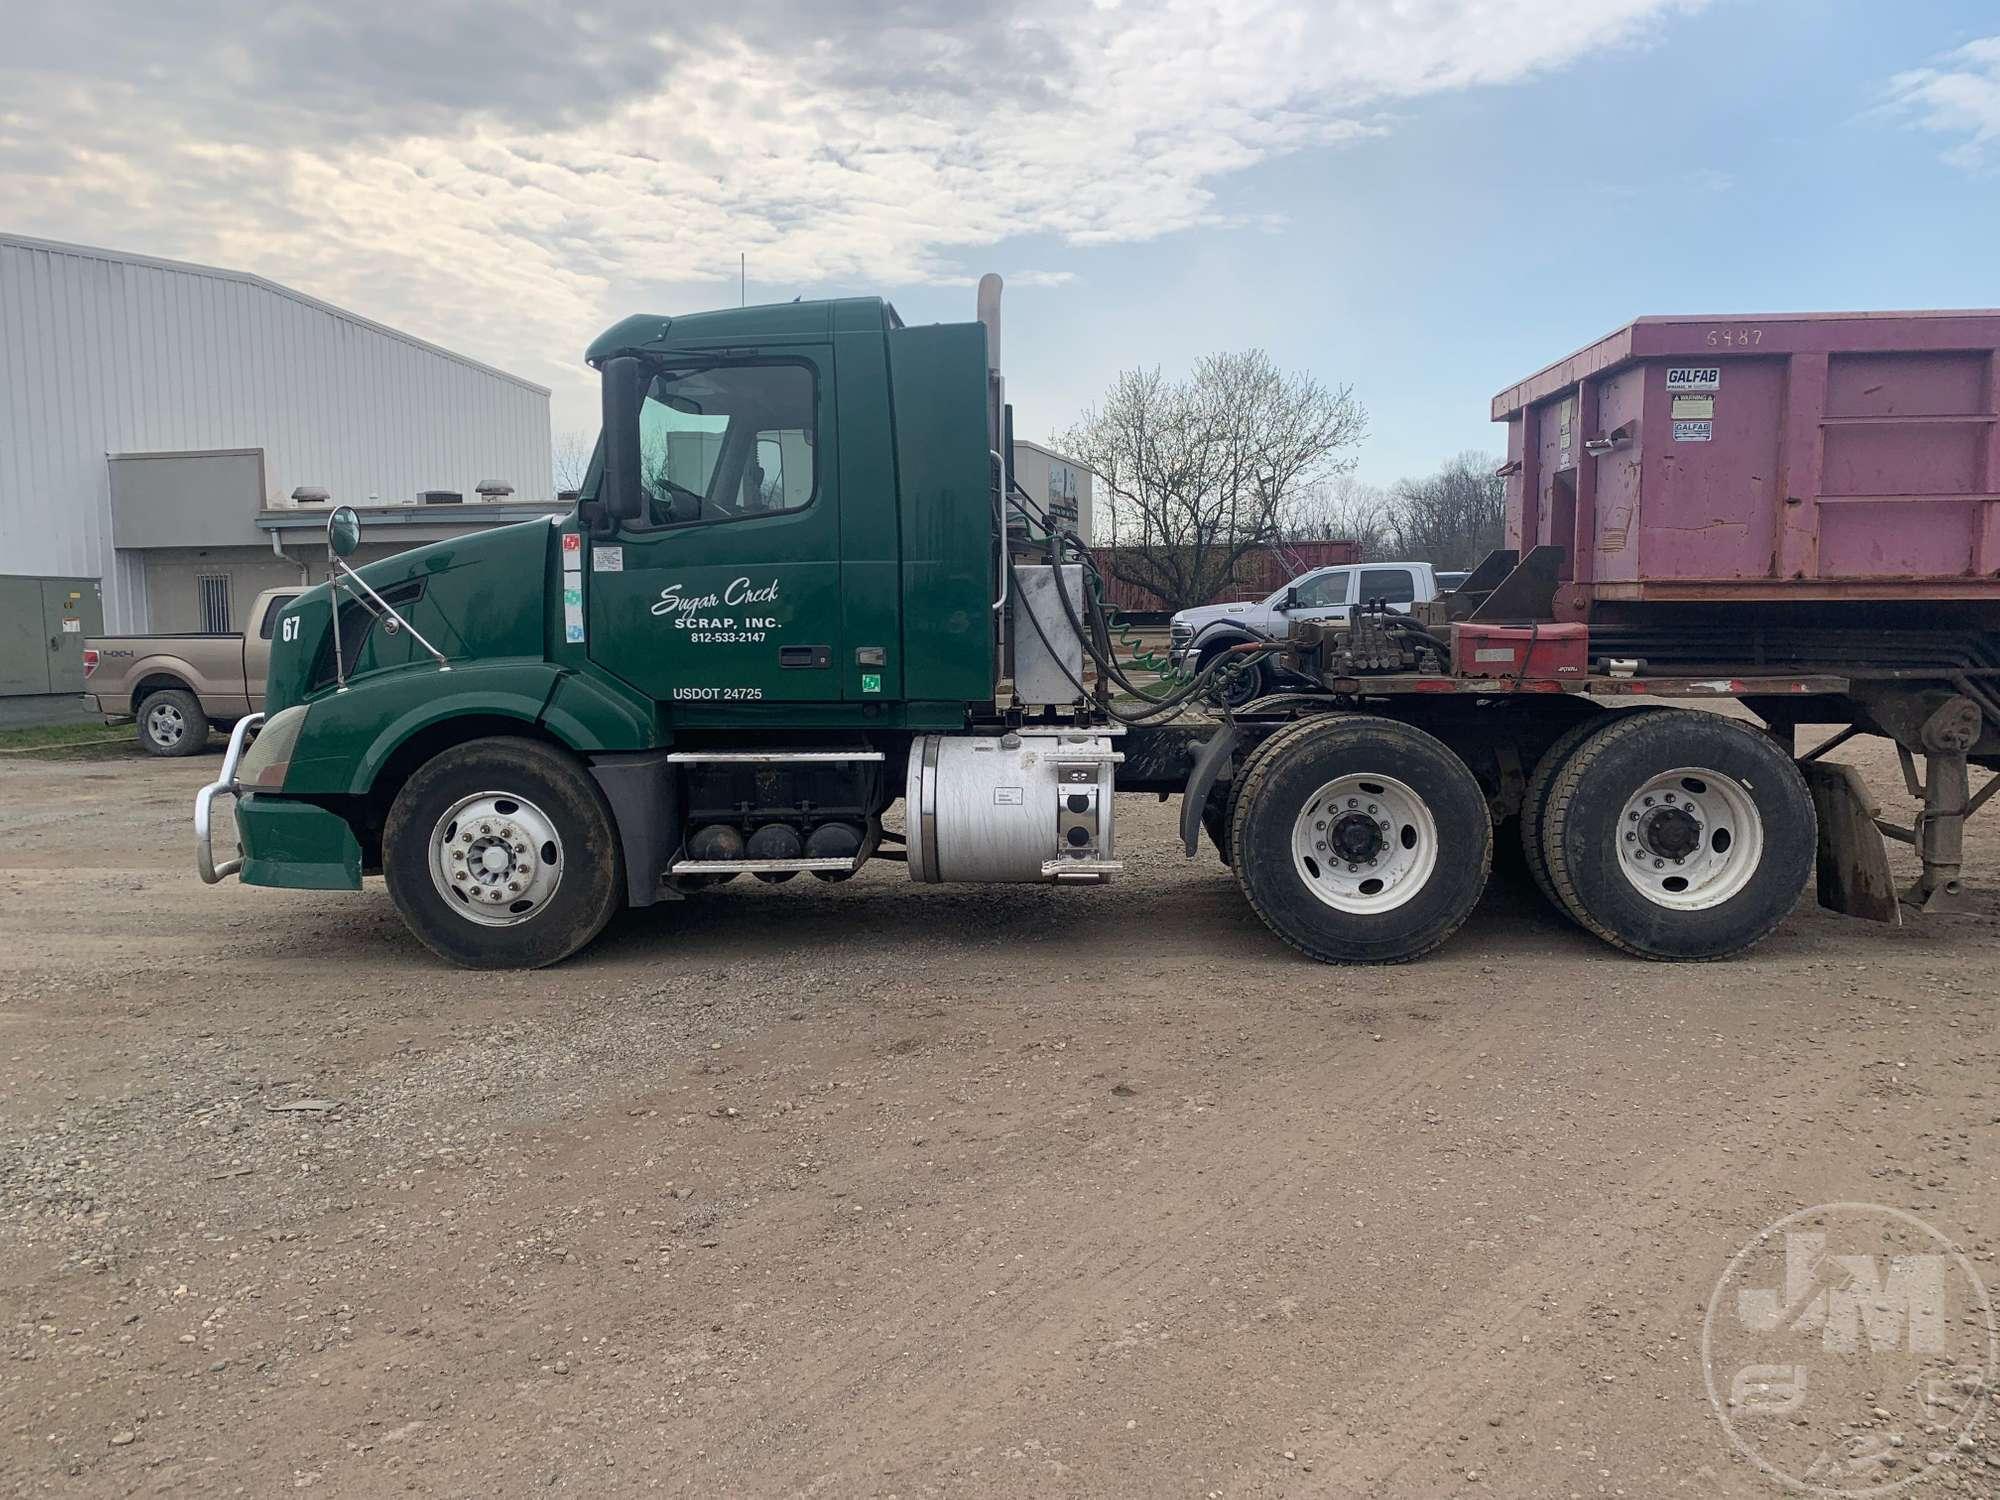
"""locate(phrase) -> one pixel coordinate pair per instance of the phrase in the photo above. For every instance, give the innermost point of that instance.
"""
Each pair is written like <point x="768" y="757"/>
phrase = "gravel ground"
<point x="880" y="1190"/>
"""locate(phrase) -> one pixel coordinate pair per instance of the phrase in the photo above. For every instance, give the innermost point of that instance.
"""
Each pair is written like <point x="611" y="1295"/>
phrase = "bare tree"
<point x="1452" y="518"/>
<point x="1341" y="510"/>
<point x="1196" y="473"/>
<point x="570" y="458"/>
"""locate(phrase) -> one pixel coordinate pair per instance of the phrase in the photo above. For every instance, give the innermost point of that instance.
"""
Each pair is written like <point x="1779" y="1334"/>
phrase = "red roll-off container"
<point x="1793" y="457"/>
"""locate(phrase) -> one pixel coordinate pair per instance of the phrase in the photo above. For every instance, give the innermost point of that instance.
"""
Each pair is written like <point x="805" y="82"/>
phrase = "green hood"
<point x="478" y="596"/>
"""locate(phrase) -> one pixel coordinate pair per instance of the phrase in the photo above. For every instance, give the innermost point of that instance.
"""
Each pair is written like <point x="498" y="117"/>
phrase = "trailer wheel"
<point x="1541" y="783"/>
<point x="1360" y="840"/>
<point x="501" y="853"/>
<point x="1679" y="835"/>
<point x="171" y="722"/>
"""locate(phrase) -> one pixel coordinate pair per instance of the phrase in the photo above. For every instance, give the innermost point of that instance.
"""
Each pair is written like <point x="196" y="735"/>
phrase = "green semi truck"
<point x="800" y="587"/>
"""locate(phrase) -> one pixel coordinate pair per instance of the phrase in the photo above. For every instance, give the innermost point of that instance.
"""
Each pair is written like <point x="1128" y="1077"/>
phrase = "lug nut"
<point x="1351" y="869"/>
<point x="1630" y="836"/>
<point x="1659" y="863"/>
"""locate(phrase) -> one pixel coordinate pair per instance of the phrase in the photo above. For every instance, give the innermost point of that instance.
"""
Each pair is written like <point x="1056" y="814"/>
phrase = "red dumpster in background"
<point x="1258" y="573"/>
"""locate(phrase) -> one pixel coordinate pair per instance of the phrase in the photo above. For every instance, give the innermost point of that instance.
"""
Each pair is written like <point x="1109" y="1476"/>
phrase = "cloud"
<point x="508" y="178"/>
<point x="1958" y="97"/>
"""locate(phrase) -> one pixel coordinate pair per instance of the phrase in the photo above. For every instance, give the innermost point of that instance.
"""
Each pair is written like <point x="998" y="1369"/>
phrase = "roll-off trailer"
<point x="800" y="574"/>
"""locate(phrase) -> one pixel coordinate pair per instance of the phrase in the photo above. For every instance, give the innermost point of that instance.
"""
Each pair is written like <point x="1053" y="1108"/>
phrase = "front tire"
<point x="1678" y="834"/>
<point x="171" y="723"/>
<point x="1239" y="685"/>
<point x="501" y="853"/>
<point x="1360" y="840"/>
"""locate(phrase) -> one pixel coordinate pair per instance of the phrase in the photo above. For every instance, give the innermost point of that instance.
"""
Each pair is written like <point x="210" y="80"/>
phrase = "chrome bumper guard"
<point x="204" y="800"/>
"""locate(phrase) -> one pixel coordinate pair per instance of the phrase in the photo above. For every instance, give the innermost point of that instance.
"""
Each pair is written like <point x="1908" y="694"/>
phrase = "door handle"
<point x="805" y="656"/>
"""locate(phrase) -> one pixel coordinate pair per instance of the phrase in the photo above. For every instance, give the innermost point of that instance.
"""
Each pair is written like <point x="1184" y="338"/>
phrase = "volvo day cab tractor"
<point x="801" y="588"/>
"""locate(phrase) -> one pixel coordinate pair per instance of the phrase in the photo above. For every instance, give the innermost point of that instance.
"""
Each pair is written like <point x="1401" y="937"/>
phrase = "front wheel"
<point x="1238" y="684"/>
<point x="501" y="854"/>
<point x="1679" y="835"/>
<point x="1360" y="840"/>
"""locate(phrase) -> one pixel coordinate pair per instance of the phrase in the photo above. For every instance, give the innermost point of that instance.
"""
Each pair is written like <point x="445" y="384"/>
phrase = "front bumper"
<point x="282" y="841"/>
<point x="296" y="845"/>
<point x="204" y="805"/>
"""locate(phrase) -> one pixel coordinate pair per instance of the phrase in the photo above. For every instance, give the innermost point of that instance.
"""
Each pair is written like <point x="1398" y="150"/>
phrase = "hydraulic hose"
<point x="1158" y="708"/>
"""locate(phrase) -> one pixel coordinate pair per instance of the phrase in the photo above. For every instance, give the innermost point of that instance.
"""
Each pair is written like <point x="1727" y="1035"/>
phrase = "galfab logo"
<point x="1850" y="1349"/>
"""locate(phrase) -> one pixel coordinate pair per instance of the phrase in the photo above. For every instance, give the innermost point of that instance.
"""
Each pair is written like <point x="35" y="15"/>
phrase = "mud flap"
<point x="1209" y="763"/>
<point x="1854" y="873"/>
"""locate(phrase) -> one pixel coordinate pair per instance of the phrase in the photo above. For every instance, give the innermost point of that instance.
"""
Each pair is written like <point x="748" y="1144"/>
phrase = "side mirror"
<point x="343" y="532"/>
<point x="1291" y="600"/>
<point x="618" y="486"/>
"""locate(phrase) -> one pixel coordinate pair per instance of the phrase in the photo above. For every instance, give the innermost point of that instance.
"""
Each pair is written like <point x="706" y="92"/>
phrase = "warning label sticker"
<point x="1693" y="408"/>
<point x="1694" y="432"/>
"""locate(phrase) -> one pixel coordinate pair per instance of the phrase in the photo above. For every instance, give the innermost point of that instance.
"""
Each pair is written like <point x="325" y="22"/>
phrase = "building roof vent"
<point x="493" y="489"/>
<point x="310" y="494"/>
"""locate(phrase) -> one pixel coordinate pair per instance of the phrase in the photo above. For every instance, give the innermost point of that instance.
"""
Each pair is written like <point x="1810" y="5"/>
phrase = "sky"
<point x="1423" y="199"/>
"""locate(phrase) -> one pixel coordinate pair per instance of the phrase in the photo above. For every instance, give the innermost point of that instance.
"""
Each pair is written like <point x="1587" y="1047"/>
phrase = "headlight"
<point x="270" y="754"/>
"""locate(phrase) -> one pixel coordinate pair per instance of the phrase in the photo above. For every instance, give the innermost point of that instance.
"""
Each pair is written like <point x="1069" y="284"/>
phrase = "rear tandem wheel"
<point x="1541" y="783"/>
<point x="1359" y="839"/>
<point x="1679" y="834"/>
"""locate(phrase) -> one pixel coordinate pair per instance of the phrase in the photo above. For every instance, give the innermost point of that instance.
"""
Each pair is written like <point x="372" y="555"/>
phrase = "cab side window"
<point x="1389" y="585"/>
<point x="727" y="442"/>
<point x="1323" y="592"/>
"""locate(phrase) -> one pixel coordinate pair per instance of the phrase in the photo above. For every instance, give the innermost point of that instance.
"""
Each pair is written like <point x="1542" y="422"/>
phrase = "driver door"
<point x="1324" y="595"/>
<point x="727" y="589"/>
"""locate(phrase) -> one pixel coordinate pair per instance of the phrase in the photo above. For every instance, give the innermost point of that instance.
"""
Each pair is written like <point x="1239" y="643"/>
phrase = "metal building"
<point x="156" y="417"/>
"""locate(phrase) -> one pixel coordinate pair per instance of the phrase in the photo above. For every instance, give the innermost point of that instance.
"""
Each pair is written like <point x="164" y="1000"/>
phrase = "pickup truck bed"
<point x="176" y="686"/>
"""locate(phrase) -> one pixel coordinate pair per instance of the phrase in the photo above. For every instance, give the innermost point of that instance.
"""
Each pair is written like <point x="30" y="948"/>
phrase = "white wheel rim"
<point x="1690" y="839"/>
<point x="1364" y="843"/>
<point x="496" y="859"/>
<point x="165" y="724"/>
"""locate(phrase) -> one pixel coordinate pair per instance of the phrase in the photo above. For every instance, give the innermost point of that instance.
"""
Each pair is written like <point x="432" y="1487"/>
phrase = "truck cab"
<point x="783" y="570"/>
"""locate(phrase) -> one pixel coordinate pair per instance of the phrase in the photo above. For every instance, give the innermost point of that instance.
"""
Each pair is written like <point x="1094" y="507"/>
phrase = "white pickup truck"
<point x="177" y="686"/>
<point x="1323" y="594"/>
